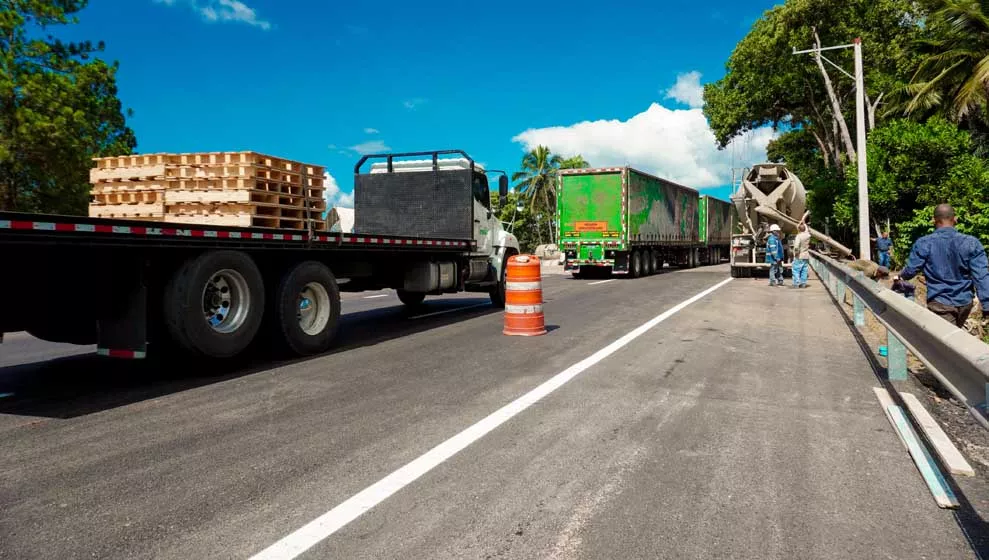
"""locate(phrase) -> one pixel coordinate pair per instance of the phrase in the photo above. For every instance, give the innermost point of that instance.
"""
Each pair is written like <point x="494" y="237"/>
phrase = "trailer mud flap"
<point x="122" y="324"/>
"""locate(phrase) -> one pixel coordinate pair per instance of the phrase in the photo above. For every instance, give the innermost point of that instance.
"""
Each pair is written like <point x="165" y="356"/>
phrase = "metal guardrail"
<point x="957" y="359"/>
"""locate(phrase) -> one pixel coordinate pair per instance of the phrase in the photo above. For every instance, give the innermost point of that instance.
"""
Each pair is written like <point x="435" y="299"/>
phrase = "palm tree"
<point x="955" y="64"/>
<point x="536" y="182"/>
<point x="575" y="162"/>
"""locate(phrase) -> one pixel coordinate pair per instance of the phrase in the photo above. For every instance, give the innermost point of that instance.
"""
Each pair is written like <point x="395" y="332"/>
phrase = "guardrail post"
<point x="896" y="358"/>
<point x="859" y="307"/>
<point x="840" y="291"/>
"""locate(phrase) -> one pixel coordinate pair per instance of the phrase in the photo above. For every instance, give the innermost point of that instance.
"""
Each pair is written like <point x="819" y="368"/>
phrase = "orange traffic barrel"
<point x="524" y="297"/>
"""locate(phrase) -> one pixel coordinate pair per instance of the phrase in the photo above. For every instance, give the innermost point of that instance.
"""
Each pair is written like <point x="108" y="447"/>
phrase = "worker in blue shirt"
<point x="774" y="256"/>
<point x="952" y="263"/>
<point x="883" y="245"/>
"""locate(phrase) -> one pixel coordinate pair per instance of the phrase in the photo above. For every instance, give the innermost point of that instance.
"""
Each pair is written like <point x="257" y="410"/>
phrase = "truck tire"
<point x="411" y="299"/>
<point x="213" y="304"/>
<point x="636" y="265"/>
<point x="651" y="262"/>
<point x="498" y="292"/>
<point x="736" y="272"/>
<point x="307" y="308"/>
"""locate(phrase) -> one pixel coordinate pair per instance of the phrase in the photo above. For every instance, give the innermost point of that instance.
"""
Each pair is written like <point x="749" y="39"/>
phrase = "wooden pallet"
<point x="155" y="210"/>
<point x="128" y="197"/>
<point x="210" y="158"/>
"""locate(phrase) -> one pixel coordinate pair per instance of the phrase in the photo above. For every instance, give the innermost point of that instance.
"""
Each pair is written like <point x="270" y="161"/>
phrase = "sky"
<point x="324" y="82"/>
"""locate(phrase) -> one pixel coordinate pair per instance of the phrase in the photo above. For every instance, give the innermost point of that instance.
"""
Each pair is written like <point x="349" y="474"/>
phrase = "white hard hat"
<point x="774" y="227"/>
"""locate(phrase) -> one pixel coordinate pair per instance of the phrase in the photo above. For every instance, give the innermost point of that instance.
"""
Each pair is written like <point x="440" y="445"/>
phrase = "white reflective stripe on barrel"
<point x="523" y="309"/>
<point x="523" y="286"/>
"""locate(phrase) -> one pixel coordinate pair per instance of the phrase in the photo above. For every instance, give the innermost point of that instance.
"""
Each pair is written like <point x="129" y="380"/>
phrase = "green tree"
<point x="766" y="84"/>
<point x="914" y="165"/>
<point x="58" y="110"/>
<point x="952" y="74"/>
<point x="536" y="183"/>
<point x="575" y="162"/>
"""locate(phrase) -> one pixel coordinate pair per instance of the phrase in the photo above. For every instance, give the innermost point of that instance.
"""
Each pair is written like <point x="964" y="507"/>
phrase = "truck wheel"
<point x="411" y="299"/>
<point x="650" y="262"/>
<point x="498" y="292"/>
<point x="308" y="308"/>
<point x="636" y="268"/>
<point x="735" y="272"/>
<point x="214" y="303"/>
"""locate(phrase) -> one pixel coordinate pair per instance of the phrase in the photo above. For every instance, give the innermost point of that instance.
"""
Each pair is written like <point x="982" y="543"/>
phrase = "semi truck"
<point x="626" y="222"/>
<point x="137" y="288"/>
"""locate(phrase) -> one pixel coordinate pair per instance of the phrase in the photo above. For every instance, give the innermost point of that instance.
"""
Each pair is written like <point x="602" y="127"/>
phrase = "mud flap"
<point x="123" y="319"/>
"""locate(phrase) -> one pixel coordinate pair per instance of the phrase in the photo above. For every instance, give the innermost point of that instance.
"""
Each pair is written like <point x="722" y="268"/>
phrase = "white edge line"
<point x="332" y="521"/>
<point x="377" y="296"/>
<point x="601" y="282"/>
<point x="450" y="310"/>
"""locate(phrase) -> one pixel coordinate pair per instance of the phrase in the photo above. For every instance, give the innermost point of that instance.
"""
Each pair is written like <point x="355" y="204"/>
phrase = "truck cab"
<point x="444" y="197"/>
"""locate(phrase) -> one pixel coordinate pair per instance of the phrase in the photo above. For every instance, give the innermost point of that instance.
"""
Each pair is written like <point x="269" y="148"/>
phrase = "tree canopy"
<point x="927" y="83"/>
<point x="767" y="85"/>
<point x="58" y="109"/>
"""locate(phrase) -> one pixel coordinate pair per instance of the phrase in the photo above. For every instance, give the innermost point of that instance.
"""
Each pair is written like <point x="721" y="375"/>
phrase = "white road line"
<point x="377" y="296"/>
<point x="332" y="521"/>
<point x="601" y="282"/>
<point x="450" y="310"/>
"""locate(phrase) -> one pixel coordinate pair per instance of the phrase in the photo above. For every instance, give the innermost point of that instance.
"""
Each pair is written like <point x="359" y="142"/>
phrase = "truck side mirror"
<point x="502" y="190"/>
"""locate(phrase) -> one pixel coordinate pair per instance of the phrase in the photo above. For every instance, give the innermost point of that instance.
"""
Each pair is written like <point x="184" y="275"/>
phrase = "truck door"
<point x="483" y="216"/>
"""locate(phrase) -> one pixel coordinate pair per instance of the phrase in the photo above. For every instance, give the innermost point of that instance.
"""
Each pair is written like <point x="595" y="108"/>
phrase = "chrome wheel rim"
<point x="313" y="308"/>
<point x="226" y="301"/>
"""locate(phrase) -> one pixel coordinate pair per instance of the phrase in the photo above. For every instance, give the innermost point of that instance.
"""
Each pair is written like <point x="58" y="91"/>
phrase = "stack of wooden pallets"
<point x="245" y="189"/>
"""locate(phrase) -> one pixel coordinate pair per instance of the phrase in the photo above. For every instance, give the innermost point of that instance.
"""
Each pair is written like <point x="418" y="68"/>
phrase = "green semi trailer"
<point x="627" y="222"/>
<point x="714" y="221"/>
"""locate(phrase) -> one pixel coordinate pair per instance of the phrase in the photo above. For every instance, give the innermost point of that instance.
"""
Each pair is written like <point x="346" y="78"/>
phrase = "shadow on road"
<point x="78" y="385"/>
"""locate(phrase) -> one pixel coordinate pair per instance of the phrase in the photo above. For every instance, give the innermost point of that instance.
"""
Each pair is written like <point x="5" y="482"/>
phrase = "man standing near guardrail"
<point x="883" y="245"/>
<point x="801" y="260"/>
<point x="952" y="263"/>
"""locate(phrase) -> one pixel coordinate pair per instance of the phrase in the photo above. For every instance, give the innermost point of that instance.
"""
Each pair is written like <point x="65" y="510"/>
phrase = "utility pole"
<point x="865" y="246"/>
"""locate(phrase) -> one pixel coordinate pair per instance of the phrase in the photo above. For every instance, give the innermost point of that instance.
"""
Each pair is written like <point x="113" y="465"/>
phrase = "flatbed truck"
<point x="135" y="288"/>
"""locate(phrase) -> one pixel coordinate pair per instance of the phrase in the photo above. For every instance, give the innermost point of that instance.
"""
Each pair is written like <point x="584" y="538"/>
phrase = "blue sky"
<point x="323" y="81"/>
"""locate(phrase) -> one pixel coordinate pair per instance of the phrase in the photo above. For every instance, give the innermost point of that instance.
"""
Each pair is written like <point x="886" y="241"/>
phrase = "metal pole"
<point x="865" y="247"/>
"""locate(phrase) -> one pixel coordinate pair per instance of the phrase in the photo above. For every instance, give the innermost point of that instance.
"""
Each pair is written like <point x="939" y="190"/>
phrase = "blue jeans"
<point x="775" y="273"/>
<point x="800" y="267"/>
<point x="884" y="259"/>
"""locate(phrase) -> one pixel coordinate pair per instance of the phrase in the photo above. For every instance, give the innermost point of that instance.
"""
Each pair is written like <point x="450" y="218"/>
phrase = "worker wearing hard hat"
<point x="774" y="256"/>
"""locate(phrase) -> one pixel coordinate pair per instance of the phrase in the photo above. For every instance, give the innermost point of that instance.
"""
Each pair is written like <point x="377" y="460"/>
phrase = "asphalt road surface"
<point x="740" y="425"/>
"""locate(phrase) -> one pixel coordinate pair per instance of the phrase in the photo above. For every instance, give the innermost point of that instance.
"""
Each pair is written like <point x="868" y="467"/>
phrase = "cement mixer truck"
<point x="769" y="194"/>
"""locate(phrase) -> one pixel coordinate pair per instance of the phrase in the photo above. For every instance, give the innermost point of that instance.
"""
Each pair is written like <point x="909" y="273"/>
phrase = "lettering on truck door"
<point x="484" y="219"/>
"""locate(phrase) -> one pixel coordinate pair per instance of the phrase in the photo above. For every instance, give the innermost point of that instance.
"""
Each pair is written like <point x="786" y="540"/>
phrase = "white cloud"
<point x="688" y="90"/>
<point x="223" y="11"/>
<point x="370" y="147"/>
<point x="676" y="144"/>
<point x="334" y="196"/>
<point x="411" y="104"/>
<point x="371" y="130"/>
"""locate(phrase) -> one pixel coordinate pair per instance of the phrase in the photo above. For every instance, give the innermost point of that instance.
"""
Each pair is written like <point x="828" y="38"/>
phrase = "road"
<point x="742" y="425"/>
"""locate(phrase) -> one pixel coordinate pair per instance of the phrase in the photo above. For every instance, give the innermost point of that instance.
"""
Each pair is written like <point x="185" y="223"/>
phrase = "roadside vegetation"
<point x="58" y="109"/>
<point x="927" y="83"/>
